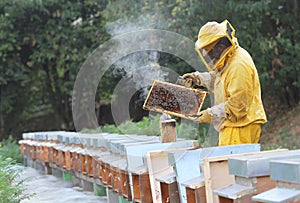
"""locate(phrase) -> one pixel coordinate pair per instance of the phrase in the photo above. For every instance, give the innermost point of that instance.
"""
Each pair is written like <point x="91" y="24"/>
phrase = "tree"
<point x="49" y="41"/>
<point x="13" y="77"/>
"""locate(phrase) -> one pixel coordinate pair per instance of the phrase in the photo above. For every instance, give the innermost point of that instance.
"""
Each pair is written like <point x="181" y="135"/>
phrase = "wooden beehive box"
<point x="91" y="158"/>
<point x="175" y="100"/>
<point x="89" y="163"/>
<point x="67" y="164"/>
<point x="22" y="146"/>
<point x="40" y="152"/>
<point x="27" y="148"/>
<point x="45" y="152"/>
<point x="34" y="151"/>
<point x="109" y="171"/>
<point x="169" y="188"/>
<point x="95" y="165"/>
<point x="83" y="161"/>
<point x="75" y="157"/>
<point x="141" y="187"/>
<point x="124" y="185"/>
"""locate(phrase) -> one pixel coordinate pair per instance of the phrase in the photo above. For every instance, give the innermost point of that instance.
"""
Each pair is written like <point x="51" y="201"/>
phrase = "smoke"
<point x="140" y="67"/>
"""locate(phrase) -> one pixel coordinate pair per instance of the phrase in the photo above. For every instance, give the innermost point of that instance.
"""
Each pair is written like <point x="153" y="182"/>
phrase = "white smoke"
<point x="141" y="67"/>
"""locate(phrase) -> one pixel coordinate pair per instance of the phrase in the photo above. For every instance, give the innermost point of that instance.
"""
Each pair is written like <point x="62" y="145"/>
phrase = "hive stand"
<point x="187" y="164"/>
<point x="286" y="173"/>
<point x="252" y="175"/>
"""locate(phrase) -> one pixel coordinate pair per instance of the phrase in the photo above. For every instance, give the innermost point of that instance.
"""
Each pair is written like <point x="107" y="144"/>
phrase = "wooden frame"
<point x="181" y="101"/>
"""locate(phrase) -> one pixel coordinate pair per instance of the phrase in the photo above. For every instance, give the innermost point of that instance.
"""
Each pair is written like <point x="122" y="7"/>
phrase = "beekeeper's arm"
<point x="239" y="91"/>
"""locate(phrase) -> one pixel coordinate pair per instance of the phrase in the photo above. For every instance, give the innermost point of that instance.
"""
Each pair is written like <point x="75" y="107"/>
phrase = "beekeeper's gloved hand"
<point x="205" y="79"/>
<point x="203" y="117"/>
<point x="193" y="77"/>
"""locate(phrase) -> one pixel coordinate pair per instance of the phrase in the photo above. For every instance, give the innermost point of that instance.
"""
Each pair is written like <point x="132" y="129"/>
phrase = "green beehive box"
<point x="99" y="190"/>
<point x="67" y="176"/>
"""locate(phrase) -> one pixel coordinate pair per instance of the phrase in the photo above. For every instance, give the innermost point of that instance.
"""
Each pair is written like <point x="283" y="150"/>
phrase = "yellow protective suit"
<point x="236" y="87"/>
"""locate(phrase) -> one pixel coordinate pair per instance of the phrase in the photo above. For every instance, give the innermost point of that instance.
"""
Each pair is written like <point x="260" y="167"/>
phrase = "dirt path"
<point x="49" y="189"/>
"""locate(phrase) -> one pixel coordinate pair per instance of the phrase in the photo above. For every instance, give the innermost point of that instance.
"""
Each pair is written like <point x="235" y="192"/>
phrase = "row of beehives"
<point x="116" y="160"/>
<point x="142" y="169"/>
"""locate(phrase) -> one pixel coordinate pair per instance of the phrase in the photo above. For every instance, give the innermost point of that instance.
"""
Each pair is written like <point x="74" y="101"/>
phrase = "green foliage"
<point x="151" y="127"/>
<point x="9" y="148"/>
<point x="146" y="126"/>
<point x="103" y="129"/>
<point x="12" y="189"/>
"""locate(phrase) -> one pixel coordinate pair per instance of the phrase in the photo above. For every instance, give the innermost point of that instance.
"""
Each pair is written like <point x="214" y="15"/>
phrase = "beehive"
<point x="174" y="99"/>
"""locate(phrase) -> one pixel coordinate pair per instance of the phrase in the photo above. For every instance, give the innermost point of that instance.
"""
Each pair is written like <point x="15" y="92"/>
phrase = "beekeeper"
<point x="238" y="110"/>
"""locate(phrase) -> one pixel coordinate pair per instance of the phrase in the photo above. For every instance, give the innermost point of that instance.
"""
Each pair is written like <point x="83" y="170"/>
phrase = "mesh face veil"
<point x="210" y="38"/>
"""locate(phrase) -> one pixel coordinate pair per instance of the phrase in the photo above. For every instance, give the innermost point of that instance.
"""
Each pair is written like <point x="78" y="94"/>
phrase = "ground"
<point x="282" y="129"/>
<point x="49" y="189"/>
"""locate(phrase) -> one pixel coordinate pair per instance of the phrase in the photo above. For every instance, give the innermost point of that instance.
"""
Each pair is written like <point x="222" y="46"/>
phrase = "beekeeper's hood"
<point x="208" y="45"/>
